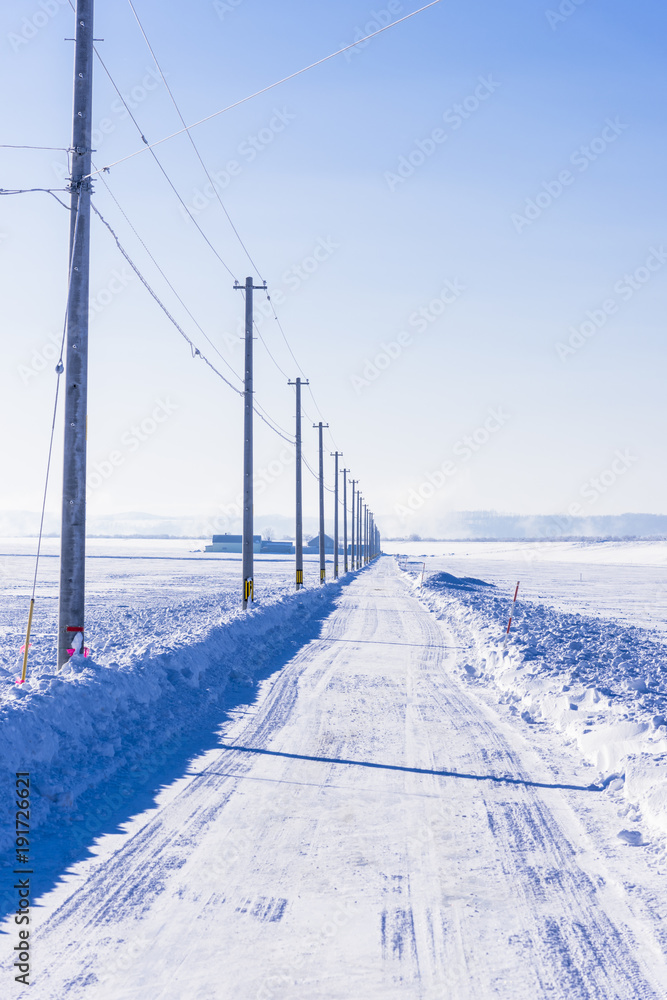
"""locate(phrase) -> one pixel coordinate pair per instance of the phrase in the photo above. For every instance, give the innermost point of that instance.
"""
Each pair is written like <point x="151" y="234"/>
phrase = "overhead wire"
<point x="196" y="352"/>
<point x="268" y="420"/>
<point x="315" y="475"/>
<point x="59" y="371"/>
<point x="186" y="129"/>
<point x="58" y="149"/>
<point x="264" y="90"/>
<point x="176" y="192"/>
<point x="197" y="153"/>
<point x="227" y="215"/>
<point x="263" y="416"/>
<point x="160" y="166"/>
<point x="214" y="188"/>
<point x="193" y="347"/>
<point x="159" y="268"/>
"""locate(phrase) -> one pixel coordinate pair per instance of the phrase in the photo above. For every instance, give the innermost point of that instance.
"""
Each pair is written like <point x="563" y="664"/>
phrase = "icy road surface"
<point x="368" y="828"/>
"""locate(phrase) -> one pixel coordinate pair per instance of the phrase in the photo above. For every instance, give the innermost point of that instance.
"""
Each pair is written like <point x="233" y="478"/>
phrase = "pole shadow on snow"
<point x="62" y="842"/>
<point x="499" y="780"/>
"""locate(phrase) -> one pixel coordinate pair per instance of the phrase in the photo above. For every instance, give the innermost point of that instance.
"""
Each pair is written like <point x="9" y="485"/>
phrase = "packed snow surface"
<point x="363" y="790"/>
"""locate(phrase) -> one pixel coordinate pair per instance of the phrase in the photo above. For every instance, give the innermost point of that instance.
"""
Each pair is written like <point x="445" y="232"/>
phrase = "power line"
<point x="271" y="86"/>
<point x="266" y="348"/>
<point x="58" y="149"/>
<point x="263" y="416"/>
<point x="197" y="324"/>
<point x="160" y="166"/>
<point x="315" y="475"/>
<point x="50" y="191"/>
<point x="191" y="216"/>
<point x="198" y="154"/>
<point x="227" y="215"/>
<point x="221" y="203"/>
<point x="196" y="352"/>
<point x="30" y="190"/>
<point x="193" y="347"/>
<point x="59" y="371"/>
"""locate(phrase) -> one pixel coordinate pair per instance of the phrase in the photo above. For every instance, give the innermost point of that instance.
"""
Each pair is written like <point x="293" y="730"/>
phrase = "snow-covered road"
<point x="350" y="839"/>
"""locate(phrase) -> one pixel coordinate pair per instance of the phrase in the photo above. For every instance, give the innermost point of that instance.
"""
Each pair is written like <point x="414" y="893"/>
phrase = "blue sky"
<point x="532" y="152"/>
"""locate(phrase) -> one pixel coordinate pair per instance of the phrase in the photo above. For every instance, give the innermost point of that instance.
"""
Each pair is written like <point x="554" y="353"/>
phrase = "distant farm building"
<point x="278" y="548"/>
<point x="314" y="545"/>
<point x="234" y="543"/>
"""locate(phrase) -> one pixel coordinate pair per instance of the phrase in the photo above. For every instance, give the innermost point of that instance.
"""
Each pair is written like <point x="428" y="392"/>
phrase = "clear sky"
<point x="463" y="223"/>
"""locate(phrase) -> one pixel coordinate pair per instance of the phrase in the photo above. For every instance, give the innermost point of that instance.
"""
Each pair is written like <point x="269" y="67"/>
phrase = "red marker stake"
<point x="509" y="624"/>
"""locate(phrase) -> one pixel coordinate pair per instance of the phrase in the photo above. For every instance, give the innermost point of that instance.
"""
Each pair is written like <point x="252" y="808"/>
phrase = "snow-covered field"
<point x="622" y="581"/>
<point x="166" y="635"/>
<point x="587" y="652"/>
<point x="141" y="593"/>
<point x="284" y="788"/>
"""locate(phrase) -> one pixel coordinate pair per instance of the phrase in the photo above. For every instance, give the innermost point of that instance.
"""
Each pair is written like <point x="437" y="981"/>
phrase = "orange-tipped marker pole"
<point x="27" y="642"/>
<point x="509" y="624"/>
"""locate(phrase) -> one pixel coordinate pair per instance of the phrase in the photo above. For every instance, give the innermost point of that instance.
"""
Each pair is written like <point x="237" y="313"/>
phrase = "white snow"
<point x="357" y="791"/>
<point x="586" y="652"/>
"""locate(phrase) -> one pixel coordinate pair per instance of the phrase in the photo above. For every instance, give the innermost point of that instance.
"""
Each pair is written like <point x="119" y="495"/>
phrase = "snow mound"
<point x="445" y="581"/>
<point x="602" y="683"/>
<point x="75" y="729"/>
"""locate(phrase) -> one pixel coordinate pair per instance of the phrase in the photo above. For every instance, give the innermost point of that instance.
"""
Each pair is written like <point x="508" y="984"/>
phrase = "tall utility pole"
<point x="363" y="535"/>
<point x="358" y="530"/>
<point x="344" y="473"/>
<point x="364" y="547"/>
<point x="299" y="493"/>
<point x="335" y="455"/>
<point x="73" y="531"/>
<point x="352" y="534"/>
<point x="248" y="505"/>
<point x="323" y="571"/>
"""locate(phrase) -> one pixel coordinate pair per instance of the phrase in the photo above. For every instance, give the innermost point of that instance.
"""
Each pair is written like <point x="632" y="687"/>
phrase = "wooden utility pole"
<point x="344" y="473"/>
<point x="298" y="544"/>
<point x="335" y="454"/>
<point x="352" y="532"/>
<point x="323" y="571"/>
<point x="248" y="502"/>
<point x="73" y="530"/>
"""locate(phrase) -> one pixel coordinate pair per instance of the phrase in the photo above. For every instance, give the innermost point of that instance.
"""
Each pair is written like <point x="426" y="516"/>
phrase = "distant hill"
<point x="493" y="525"/>
<point x="20" y="524"/>
<point x="476" y="524"/>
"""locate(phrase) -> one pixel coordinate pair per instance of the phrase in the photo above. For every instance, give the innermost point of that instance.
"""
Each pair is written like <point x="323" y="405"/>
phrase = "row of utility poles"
<point x="364" y="535"/>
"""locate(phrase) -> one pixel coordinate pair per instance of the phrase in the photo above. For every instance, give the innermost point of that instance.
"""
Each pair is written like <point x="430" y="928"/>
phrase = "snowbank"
<point x="75" y="729"/>
<point x="603" y="684"/>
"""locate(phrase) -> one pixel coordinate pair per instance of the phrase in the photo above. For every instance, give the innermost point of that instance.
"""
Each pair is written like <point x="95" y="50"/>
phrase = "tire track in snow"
<point x="587" y="955"/>
<point x="441" y="903"/>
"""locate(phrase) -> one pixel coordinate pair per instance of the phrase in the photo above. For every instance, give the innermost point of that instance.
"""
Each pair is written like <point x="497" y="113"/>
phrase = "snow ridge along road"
<point x="320" y="851"/>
